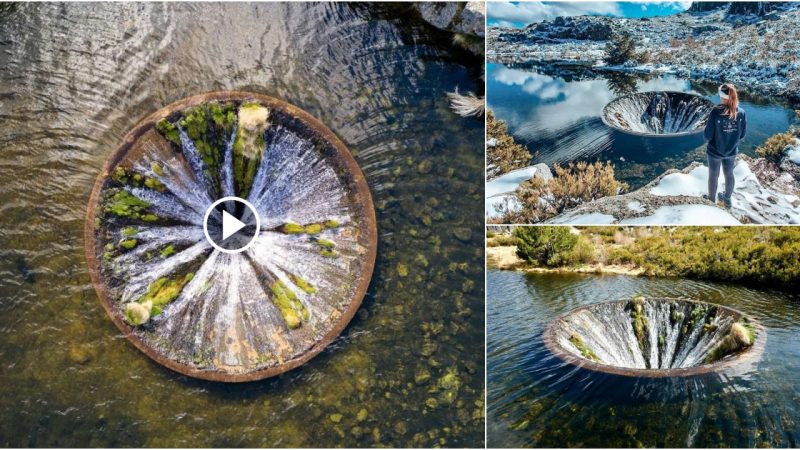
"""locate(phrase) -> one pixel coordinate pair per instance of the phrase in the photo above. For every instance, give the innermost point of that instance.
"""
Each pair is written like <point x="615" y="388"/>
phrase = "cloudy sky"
<point x="519" y="14"/>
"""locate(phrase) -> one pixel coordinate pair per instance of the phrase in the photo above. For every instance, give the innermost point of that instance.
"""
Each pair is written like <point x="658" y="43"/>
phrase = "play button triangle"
<point x="230" y="225"/>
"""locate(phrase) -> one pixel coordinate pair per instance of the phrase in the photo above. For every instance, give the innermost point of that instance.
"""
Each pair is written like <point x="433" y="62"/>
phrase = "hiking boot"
<point x="725" y="200"/>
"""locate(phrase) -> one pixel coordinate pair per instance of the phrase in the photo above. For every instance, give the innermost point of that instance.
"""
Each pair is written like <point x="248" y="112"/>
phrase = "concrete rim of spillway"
<point x="610" y="105"/>
<point x="728" y="364"/>
<point x="343" y="155"/>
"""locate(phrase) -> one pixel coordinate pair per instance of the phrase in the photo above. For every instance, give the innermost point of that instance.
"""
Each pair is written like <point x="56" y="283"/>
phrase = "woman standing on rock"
<point x="726" y="126"/>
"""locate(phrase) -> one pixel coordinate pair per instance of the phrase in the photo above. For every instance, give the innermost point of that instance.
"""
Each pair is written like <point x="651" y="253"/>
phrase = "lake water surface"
<point x="556" y="114"/>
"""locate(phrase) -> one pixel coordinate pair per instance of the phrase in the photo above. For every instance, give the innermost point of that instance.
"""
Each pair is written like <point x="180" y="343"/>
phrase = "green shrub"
<point x="572" y="186"/>
<point x="620" y="49"/>
<point x="583" y="253"/>
<point x="546" y="246"/>
<point x="753" y="254"/>
<point x="774" y="148"/>
<point x="506" y="155"/>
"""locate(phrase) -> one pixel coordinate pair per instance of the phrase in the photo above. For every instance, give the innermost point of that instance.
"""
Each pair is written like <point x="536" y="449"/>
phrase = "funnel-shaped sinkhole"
<point x="654" y="337"/>
<point x="222" y="316"/>
<point x="658" y="114"/>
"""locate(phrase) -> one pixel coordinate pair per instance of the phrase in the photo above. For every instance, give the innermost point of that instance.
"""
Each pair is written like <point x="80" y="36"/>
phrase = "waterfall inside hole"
<point x="653" y="333"/>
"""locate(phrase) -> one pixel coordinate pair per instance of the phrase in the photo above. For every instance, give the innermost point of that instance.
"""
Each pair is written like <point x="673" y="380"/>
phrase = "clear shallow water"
<point x="75" y="78"/>
<point x="557" y="114"/>
<point x="536" y="400"/>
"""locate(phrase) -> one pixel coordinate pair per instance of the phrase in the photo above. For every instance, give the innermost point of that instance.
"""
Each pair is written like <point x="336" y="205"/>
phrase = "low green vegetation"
<point x="167" y="251"/>
<point x="501" y="240"/>
<point x="303" y="284"/>
<point x="327" y="248"/>
<point x="764" y="255"/>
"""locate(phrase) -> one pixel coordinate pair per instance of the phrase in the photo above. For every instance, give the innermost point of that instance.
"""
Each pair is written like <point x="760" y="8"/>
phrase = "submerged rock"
<point x="461" y="17"/>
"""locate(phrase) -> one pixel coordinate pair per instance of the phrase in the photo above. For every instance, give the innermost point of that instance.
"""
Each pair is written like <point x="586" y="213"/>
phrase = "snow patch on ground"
<point x="509" y="182"/>
<point x="501" y="190"/>
<point x="685" y="215"/>
<point x="793" y="153"/>
<point x="636" y="206"/>
<point x="752" y="202"/>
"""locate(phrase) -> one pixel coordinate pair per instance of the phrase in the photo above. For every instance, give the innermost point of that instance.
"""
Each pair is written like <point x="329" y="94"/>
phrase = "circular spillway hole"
<point x="655" y="337"/>
<point x="197" y="282"/>
<point x="658" y="114"/>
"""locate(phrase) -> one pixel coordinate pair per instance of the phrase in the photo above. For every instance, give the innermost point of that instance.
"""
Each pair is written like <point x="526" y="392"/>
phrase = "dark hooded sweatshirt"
<point x="723" y="133"/>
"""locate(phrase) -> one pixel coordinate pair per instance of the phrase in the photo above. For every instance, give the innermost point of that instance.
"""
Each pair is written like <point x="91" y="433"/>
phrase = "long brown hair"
<point x="732" y="103"/>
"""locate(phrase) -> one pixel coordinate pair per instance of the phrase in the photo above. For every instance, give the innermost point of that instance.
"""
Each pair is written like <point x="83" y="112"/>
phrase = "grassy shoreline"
<point x="757" y="256"/>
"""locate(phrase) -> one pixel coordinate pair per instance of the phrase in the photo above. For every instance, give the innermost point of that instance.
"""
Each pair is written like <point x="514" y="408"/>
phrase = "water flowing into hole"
<point x="658" y="113"/>
<point x="662" y="336"/>
<point x="215" y="315"/>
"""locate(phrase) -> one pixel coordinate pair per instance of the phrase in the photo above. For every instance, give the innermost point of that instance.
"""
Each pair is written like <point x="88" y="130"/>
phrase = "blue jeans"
<point x="714" y="165"/>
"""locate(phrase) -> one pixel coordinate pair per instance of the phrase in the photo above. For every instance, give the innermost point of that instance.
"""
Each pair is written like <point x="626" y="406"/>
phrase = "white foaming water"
<point x="658" y="113"/>
<point x="226" y="316"/>
<point x="287" y="191"/>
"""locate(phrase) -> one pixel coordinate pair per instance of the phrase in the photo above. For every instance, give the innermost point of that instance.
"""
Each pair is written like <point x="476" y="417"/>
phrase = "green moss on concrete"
<point x="738" y="339"/>
<point x="160" y="293"/>
<point x="154" y="184"/>
<point x="328" y="253"/>
<point x="157" y="169"/>
<point x="137" y="313"/>
<point x="169" y="131"/>
<point x="288" y="304"/>
<point x="168" y="251"/>
<point x="293" y="228"/>
<point x="639" y="321"/>
<point x="586" y="352"/>
<point x="324" y="243"/>
<point x="209" y="127"/>
<point x="331" y="223"/>
<point x="128" y="244"/>
<point x="129" y="231"/>
<point x="313" y="229"/>
<point x="303" y="284"/>
<point x="124" y="204"/>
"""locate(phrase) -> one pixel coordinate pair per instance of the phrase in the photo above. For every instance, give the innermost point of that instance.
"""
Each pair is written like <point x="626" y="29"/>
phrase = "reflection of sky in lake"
<point x="560" y="119"/>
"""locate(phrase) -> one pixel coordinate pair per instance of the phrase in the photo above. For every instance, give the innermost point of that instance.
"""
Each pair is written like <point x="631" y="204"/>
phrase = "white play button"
<point x="230" y="225"/>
